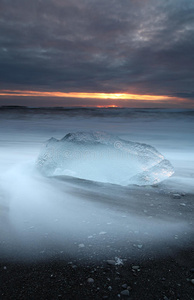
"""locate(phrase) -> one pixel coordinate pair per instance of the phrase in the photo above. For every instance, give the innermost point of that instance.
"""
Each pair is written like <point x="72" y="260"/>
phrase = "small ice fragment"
<point x="118" y="261"/>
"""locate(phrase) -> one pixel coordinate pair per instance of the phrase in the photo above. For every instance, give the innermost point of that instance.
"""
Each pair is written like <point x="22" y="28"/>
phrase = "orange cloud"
<point x="116" y="96"/>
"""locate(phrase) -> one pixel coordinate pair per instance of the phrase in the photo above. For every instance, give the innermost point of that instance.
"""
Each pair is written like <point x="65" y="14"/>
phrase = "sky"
<point x="126" y="53"/>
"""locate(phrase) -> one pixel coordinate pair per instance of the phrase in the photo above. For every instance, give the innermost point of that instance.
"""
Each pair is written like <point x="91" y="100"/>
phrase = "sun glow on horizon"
<point x="107" y="106"/>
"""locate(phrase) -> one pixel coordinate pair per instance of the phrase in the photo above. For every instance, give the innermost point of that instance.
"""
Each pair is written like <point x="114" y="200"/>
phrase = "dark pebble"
<point x="192" y="270"/>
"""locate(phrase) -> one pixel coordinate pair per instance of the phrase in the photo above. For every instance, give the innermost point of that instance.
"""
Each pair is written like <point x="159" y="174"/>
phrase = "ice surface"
<point x="101" y="157"/>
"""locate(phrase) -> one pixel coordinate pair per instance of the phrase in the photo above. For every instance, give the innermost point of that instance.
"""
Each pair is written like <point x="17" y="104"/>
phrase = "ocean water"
<point x="41" y="217"/>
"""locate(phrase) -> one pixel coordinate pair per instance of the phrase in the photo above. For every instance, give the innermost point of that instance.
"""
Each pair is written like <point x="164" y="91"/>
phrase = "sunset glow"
<point x="107" y="106"/>
<point x="123" y="96"/>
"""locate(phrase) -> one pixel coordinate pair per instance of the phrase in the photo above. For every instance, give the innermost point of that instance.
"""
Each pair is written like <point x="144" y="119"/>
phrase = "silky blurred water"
<point x="41" y="216"/>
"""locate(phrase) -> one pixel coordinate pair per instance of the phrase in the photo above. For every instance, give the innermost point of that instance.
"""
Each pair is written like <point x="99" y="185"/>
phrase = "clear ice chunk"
<point x="101" y="157"/>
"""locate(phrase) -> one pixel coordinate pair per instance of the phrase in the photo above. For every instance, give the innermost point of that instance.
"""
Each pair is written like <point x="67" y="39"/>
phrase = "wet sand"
<point x="151" y="270"/>
<point x="165" y="278"/>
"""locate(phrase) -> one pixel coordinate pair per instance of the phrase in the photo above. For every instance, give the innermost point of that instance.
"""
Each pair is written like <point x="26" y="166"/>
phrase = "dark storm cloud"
<point x="100" y="46"/>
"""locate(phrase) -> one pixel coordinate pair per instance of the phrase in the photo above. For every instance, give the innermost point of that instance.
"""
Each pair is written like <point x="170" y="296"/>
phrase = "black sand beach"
<point x="166" y="278"/>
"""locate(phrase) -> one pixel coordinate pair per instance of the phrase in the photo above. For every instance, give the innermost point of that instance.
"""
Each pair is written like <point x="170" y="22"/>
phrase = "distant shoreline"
<point x="95" y="107"/>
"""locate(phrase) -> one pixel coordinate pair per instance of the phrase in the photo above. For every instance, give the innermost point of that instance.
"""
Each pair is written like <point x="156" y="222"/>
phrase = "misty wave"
<point x="42" y="216"/>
